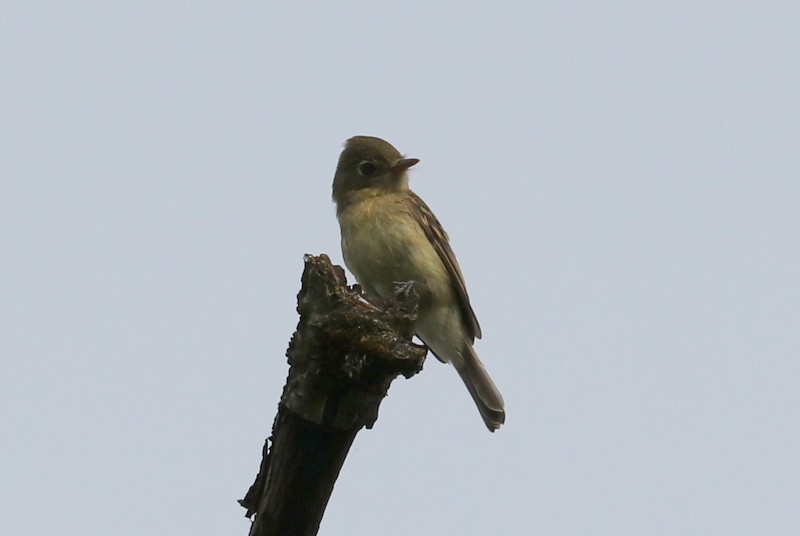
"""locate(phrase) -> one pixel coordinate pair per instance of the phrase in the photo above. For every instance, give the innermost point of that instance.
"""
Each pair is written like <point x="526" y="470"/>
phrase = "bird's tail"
<point x="483" y="390"/>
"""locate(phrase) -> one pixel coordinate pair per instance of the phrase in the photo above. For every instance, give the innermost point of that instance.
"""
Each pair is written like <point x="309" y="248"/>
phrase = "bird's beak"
<point x="405" y="163"/>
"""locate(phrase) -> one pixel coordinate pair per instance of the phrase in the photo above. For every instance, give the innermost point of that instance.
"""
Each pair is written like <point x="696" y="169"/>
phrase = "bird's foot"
<point x="402" y="289"/>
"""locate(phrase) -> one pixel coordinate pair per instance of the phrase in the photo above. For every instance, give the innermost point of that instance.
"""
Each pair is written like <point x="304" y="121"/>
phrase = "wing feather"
<point x="438" y="238"/>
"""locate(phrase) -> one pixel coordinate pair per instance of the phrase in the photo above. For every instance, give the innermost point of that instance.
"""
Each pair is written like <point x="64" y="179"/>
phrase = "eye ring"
<point x="367" y="168"/>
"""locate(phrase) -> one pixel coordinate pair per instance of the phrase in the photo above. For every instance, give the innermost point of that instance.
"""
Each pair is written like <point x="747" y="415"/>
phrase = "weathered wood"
<point x="343" y="356"/>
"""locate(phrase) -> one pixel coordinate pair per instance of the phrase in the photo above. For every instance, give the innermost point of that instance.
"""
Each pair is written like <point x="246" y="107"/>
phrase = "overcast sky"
<point x="620" y="181"/>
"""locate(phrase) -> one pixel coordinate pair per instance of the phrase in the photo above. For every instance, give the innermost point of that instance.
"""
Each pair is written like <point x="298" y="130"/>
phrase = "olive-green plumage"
<point x="389" y="235"/>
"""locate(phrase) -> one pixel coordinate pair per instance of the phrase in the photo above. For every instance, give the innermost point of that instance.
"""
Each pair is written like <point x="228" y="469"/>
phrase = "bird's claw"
<point x="403" y="288"/>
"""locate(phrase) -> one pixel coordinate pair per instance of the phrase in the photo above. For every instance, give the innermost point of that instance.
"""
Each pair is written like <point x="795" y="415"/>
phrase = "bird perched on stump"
<point x="389" y="236"/>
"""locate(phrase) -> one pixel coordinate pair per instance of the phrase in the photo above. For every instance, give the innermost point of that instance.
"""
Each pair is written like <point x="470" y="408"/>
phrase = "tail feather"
<point x="483" y="390"/>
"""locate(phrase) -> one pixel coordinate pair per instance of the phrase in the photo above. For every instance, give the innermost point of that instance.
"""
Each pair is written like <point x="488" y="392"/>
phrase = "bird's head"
<point x="369" y="163"/>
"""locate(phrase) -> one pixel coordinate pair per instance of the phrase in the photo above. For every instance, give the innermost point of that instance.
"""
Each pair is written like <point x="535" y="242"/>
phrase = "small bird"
<point x="389" y="236"/>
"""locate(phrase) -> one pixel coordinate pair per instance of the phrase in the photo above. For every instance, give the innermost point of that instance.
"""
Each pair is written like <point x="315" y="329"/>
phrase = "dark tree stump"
<point x="342" y="358"/>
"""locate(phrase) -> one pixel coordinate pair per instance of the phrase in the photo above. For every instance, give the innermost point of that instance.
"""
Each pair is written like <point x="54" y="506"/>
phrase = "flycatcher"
<point x="389" y="235"/>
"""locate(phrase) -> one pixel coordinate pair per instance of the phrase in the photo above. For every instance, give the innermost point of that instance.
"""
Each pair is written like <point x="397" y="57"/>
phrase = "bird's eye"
<point x="366" y="168"/>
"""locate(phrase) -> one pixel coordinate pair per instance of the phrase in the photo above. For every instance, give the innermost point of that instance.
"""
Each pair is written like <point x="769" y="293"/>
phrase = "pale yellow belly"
<point x="382" y="244"/>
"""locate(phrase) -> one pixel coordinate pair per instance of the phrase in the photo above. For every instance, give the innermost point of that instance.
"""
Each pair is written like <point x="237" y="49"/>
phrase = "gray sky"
<point x="619" y="181"/>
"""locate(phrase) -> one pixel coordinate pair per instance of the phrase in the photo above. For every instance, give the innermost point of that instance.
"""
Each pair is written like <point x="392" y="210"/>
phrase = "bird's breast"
<point x="383" y="243"/>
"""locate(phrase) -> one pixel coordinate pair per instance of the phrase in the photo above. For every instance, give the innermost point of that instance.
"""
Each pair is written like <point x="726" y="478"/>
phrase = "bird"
<point x="389" y="236"/>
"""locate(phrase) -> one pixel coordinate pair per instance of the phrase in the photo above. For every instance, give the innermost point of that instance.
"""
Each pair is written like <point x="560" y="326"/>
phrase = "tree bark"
<point x="342" y="358"/>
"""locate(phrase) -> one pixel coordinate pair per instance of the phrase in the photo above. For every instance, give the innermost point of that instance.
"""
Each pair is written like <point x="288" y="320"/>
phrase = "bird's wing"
<point x="438" y="238"/>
